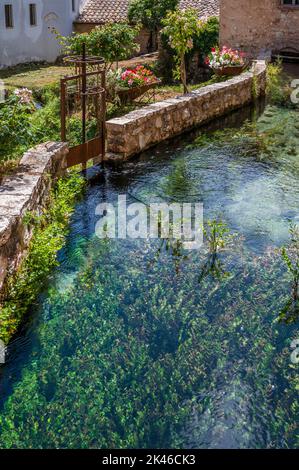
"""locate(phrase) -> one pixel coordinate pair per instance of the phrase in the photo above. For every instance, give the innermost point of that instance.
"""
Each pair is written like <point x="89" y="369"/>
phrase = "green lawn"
<point x="33" y="75"/>
<point x="38" y="75"/>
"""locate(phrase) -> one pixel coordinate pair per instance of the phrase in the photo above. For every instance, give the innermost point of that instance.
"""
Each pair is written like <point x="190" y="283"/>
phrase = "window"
<point x="32" y="14"/>
<point x="290" y="2"/>
<point x="73" y="5"/>
<point x="8" y="16"/>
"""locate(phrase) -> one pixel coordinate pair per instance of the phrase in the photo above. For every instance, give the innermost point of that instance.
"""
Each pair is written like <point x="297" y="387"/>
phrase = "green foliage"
<point x="49" y="231"/>
<point x="290" y="256"/>
<point x="278" y="89"/>
<point x="133" y="348"/>
<point x="217" y="235"/>
<point x="181" y="27"/>
<point x="15" y="130"/>
<point x="207" y="37"/>
<point x="150" y="13"/>
<point x="139" y="352"/>
<point x="218" y="238"/>
<point x="22" y="126"/>
<point x="45" y="122"/>
<point x="203" y="41"/>
<point x="266" y="139"/>
<point x="113" y="42"/>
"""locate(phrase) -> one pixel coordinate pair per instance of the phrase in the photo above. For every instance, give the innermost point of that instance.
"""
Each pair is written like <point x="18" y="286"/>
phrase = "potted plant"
<point x="226" y="61"/>
<point x="127" y="85"/>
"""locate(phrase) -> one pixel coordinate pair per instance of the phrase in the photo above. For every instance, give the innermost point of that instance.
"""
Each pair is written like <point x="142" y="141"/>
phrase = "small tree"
<point x="150" y="12"/>
<point x="181" y="26"/>
<point x="113" y="42"/>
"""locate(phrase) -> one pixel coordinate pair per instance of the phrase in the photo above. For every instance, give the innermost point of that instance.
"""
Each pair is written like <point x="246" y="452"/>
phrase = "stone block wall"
<point x="259" y="27"/>
<point x="26" y="190"/>
<point x="130" y="134"/>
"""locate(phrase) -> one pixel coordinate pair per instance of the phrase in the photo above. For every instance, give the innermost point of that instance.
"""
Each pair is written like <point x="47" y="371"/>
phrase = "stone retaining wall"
<point x="26" y="190"/>
<point x="130" y="134"/>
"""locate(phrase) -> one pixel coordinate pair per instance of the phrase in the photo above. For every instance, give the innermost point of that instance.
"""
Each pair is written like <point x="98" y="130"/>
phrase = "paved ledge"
<point x="27" y="190"/>
<point x="131" y="134"/>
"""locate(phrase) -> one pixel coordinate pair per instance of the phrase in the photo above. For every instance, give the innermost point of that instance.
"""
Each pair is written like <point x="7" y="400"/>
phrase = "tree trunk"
<point x="184" y="74"/>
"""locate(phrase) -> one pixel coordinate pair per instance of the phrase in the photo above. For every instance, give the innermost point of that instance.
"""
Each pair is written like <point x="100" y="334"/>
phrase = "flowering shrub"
<point x="137" y="77"/>
<point x="129" y="78"/>
<point x="224" y="57"/>
<point x="24" y="95"/>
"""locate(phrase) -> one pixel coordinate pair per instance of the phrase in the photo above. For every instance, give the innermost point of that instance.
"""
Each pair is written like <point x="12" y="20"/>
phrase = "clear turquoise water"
<point x="136" y="344"/>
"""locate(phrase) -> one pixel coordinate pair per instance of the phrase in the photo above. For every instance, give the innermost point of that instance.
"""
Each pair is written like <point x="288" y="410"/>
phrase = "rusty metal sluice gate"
<point x="84" y="93"/>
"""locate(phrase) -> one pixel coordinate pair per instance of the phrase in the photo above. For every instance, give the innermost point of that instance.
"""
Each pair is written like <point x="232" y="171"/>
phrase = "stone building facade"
<point x="260" y="28"/>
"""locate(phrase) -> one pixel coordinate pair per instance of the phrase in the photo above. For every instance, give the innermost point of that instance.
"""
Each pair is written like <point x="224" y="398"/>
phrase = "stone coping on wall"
<point x="26" y="190"/>
<point x="138" y="130"/>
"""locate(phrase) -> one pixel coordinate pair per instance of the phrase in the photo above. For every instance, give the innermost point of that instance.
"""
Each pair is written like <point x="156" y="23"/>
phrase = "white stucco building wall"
<point x="25" y="43"/>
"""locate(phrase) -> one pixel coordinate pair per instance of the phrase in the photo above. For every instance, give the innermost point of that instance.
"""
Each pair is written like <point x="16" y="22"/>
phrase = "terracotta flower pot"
<point x="127" y="95"/>
<point x="230" y="70"/>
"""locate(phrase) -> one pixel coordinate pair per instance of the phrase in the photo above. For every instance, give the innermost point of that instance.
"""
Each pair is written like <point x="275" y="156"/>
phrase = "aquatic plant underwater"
<point x="138" y="343"/>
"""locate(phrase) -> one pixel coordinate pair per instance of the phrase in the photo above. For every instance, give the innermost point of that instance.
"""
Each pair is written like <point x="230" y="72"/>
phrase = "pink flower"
<point x="24" y="95"/>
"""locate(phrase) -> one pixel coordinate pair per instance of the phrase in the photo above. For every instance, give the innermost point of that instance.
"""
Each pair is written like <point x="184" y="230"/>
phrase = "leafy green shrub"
<point x="207" y="37"/>
<point x="48" y="237"/>
<point x="23" y="124"/>
<point x="15" y="130"/>
<point x="45" y="122"/>
<point x="203" y="41"/>
<point x="113" y="42"/>
<point x="150" y="13"/>
<point x="278" y="89"/>
<point x="180" y="27"/>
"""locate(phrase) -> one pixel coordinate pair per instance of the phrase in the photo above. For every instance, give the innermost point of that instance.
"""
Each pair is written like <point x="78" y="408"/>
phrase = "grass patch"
<point x="33" y="75"/>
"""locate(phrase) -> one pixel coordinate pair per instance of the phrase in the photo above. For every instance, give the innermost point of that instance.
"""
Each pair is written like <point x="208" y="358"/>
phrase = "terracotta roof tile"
<point x="106" y="11"/>
<point x="205" y="8"/>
